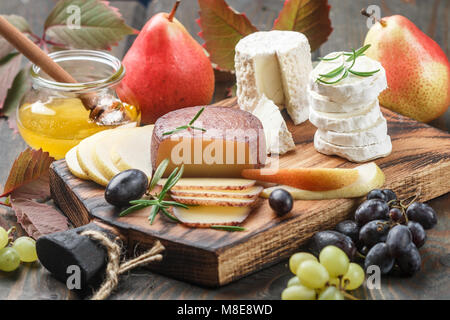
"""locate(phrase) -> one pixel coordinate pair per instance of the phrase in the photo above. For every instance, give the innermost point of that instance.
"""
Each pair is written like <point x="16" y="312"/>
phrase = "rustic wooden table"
<point x="433" y="282"/>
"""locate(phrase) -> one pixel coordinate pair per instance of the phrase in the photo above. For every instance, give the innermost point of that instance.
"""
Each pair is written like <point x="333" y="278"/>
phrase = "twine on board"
<point x="114" y="268"/>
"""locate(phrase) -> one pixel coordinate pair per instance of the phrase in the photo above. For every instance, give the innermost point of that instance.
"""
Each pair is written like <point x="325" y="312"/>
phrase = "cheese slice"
<point x="325" y="104"/>
<point x="231" y="140"/>
<point x="354" y="154"/>
<point x="346" y="122"/>
<point x="370" y="177"/>
<point x="207" y="216"/>
<point x="249" y="193"/>
<point x="353" y="88"/>
<point x="209" y="201"/>
<point x="73" y="165"/>
<point x="374" y="134"/>
<point x="278" y="138"/>
<point x="210" y="184"/>
<point x="276" y="64"/>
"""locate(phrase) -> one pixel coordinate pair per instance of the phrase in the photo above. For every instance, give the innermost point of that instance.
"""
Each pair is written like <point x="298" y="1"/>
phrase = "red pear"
<point x="418" y="71"/>
<point x="166" y="69"/>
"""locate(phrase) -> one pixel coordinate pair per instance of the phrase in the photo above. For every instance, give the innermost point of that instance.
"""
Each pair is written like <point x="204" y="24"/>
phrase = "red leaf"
<point x="310" y="17"/>
<point x="38" y="219"/>
<point x="222" y="28"/>
<point x="29" y="166"/>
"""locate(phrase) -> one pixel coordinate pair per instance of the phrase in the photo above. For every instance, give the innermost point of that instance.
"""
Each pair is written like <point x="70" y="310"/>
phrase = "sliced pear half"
<point x="370" y="177"/>
<point x="73" y="165"/>
<point x="133" y="151"/>
<point x="207" y="216"/>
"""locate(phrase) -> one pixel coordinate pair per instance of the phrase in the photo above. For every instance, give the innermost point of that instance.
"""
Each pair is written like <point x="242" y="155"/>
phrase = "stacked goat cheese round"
<point x="347" y="112"/>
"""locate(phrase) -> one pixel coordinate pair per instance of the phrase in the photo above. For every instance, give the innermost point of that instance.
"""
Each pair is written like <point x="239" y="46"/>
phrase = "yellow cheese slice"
<point x="249" y="193"/>
<point x="210" y="184"/>
<point x="207" y="216"/>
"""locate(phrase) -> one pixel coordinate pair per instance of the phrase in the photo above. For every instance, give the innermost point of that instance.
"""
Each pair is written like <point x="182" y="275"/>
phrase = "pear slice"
<point x="209" y="201"/>
<point x="133" y="151"/>
<point x="207" y="216"/>
<point x="250" y="193"/>
<point x="370" y="177"/>
<point x="101" y="155"/>
<point x="73" y="165"/>
<point x="210" y="184"/>
<point x="85" y="152"/>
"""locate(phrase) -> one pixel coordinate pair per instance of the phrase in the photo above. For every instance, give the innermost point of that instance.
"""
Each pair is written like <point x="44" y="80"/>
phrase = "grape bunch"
<point x="22" y="249"/>
<point x="326" y="278"/>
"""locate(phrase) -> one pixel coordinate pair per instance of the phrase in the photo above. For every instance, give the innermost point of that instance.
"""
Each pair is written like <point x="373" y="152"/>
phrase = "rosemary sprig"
<point x="346" y="70"/>
<point x="188" y="126"/>
<point x="228" y="228"/>
<point x="157" y="202"/>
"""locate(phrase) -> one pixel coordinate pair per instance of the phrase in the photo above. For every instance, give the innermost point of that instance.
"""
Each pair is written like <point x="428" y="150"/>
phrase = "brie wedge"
<point x="278" y="138"/>
<point x="276" y="64"/>
<point x="345" y="122"/>
<point x="353" y="88"/>
<point x="374" y="134"/>
<point x="354" y="154"/>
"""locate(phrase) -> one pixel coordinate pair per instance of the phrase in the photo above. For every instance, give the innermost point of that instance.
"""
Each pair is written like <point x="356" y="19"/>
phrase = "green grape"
<point x="334" y="260"/>
<point x="3" y="238"/>
<point x="297" y="258"/>
<point x="26" y="248"/>
<point x="294" y="281"/>
<point x="312" y="274"/>
<point x="334" y="282"/>
<point x="298" y="293"/>
<point x="331" y="293"/>
<point x="9" y="259"/>
<point x="354" y="277"/>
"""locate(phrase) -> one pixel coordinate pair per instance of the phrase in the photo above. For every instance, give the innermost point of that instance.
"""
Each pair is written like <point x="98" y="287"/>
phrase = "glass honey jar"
<point x="52" y="116"/>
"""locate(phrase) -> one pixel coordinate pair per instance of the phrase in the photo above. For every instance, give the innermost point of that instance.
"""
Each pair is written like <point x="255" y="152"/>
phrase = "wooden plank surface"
<point x="31" y="282"/>
<point x="420" y="162"/>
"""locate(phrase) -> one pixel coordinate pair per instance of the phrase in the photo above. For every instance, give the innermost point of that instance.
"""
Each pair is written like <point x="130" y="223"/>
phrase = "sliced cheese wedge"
<point x="353" y="88"/>
<point x="374" y="134"/>
<point x="370" y="177"/>
<point x="85" y="156"/>
<point x="73" y="165"/>
<point x="207" y="216"/>
<point x="102" y="157"/>
<point x="354" y="154"/>
<point x="250" y="193"/>
<point x="345" y="122"/>
<point x="133" y="151"/>
<point x="210" y="184"/>
<point x="209" y="201"/>
<point x="278" y="138"/>
<point x="276" y="64"/>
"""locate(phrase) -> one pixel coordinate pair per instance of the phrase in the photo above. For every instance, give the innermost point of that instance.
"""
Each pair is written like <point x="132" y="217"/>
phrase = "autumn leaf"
<point x="21" y="24"/>
<point x="8" y="72"/>
<point x="19" y="87"/>
<point x="310" y="17"/>
<point x="222" y="28"/>
<point x="29" y="166"/>
<point x="100" y="25"/>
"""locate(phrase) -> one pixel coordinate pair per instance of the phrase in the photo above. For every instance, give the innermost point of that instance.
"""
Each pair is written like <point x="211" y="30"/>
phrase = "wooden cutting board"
<point x="420" y="161"/>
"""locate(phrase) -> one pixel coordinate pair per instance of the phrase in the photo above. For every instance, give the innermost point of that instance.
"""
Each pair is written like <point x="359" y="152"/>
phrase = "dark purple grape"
<point x="376" y="194"/>
<point x="349" y="228"/>
<point x="369" y="210"/>
<point x="325" y="238"/>
<point x="389" y="195"/>
<point x="364" y="250"/>
<point x="423" y="214"/>
<point x="379" y="256"/>
<point x="374" y="232"/>
<point x="419" y="236"/>
<point x="126" y="186"/>
<point x="396" y="215"/>
<point x="398" y="240"/>
<point x="281" y="201"/>
<point x="410" y="261"/>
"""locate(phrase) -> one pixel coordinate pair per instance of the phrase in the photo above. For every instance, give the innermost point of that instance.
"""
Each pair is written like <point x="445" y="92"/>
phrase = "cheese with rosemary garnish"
<point x="276" y="64"/>
<point x="345" y="86"/>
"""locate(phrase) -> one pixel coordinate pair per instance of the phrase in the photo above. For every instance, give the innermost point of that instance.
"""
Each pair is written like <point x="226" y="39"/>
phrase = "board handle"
<point x="75" y="259"/>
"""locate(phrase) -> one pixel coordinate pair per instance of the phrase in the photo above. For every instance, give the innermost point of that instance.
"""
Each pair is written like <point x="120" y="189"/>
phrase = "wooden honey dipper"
<point x="36" y="55"/>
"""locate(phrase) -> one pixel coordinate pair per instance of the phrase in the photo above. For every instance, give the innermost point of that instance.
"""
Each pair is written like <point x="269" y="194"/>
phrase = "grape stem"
<point x="349" y="296"/>
<point x="5" y="204"/>
<point x="12" y="229"/>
